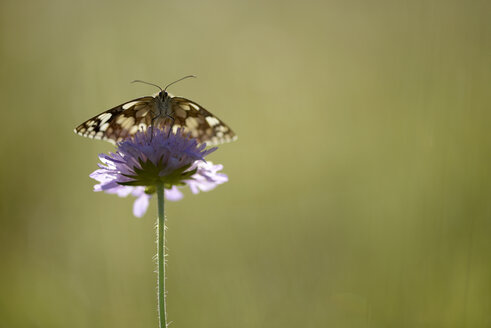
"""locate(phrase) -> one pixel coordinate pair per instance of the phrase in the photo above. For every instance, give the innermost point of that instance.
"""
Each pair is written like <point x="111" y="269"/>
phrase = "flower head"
<point x="152" y="157"/>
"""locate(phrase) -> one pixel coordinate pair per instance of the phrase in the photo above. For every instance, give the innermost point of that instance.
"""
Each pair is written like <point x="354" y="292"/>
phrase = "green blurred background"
<point x="360" y="186"/>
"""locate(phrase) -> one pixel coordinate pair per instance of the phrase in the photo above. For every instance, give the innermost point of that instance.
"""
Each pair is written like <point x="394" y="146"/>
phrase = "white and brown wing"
<point x="120" y="122"/>
<point x="199" y="122"/>
<point x="123" y="121"/>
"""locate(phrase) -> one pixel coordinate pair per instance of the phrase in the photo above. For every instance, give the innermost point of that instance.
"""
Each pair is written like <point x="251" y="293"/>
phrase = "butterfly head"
<point x="163" y="95"/>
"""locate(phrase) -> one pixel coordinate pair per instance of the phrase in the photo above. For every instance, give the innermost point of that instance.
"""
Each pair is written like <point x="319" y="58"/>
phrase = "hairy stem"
<point x="161" y="257"/>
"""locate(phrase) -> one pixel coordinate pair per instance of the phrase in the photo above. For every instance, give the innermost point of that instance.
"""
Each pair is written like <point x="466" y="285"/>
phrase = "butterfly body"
<point x="164" y="105"/>
<point x="163" y="109"/>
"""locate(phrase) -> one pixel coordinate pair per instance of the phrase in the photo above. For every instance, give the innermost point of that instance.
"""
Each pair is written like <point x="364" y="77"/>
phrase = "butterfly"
<point x="160" y="110"/>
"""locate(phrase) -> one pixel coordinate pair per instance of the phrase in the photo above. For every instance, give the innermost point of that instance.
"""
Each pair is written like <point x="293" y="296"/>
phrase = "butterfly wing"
<point x="199" y="122"/>
<point x="120" y="122"/>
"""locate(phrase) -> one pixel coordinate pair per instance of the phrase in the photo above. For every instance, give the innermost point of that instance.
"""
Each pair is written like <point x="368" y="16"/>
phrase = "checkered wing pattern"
<point x="199" y="122"/>
<point x="123" y="121"/>
<point x="120" y="122"/>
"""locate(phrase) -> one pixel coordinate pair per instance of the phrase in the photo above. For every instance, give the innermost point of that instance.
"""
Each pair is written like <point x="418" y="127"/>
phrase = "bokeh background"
<point x="360" y="186"/>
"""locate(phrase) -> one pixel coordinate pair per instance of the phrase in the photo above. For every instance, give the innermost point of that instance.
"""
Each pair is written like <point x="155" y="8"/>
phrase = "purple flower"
<point x="157" y="156"/>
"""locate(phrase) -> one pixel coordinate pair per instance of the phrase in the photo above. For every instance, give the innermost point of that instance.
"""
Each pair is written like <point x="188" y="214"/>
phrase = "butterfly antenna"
<point x="182" y="78"/>
<point x="140" y="81"/>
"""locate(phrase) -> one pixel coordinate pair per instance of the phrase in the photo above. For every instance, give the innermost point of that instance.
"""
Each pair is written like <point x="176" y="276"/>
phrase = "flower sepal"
<point x="150" y="174"/>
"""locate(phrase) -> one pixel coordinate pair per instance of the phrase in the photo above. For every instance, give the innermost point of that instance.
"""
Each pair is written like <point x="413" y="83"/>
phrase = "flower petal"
<point x="140" y="205"/>
<point x="173" y="194"/>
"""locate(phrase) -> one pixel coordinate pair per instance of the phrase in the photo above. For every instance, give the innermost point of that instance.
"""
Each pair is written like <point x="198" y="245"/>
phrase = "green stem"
<point x="161" y="256"/>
